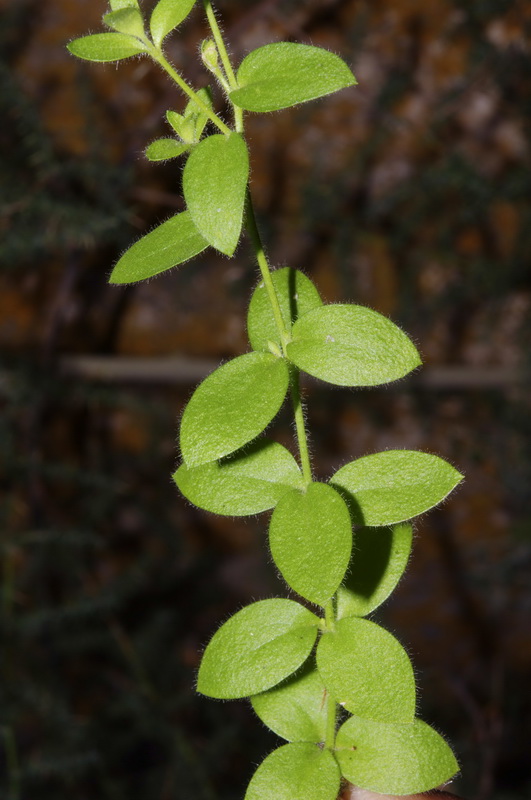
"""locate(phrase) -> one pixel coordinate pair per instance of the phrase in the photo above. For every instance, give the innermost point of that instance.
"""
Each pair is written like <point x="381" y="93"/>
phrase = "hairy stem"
<point x="225" y="60"/>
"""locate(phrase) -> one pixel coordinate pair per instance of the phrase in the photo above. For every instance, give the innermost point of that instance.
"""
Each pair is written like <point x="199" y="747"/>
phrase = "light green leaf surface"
<point x="166" y="16"/>
<point x="171" y="243"/>
<point x="394" y="759"/>
<point x="296" y="708"/>
<point x="351" y="345"/>
<point x="256" y="649"/>
<point x="283" y="74"/>
<point x="232" y="406"/>
<point x="126" y="20"/>
<point x="116" y="5"/>
<point x="367" y="671"/>
<point x="196" y="119"/>
<point x="379" y="559"/>
<point x="310" y="536"/>
<point x="164" y="149"/>
<point x="296" y="295"/>
<point x="105" y="47"/>
<point x="395" y="485"/>
<point x="296" y="772"/>
<point x="214" y="184"/>
<point x="247" y="482"/>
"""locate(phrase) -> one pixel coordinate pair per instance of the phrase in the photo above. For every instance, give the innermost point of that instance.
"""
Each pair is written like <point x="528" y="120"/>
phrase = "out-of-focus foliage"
<point x="411" y="194"/>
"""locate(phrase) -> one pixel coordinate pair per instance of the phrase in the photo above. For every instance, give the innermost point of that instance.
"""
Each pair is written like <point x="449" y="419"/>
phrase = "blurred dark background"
<point x="410" y="193"/>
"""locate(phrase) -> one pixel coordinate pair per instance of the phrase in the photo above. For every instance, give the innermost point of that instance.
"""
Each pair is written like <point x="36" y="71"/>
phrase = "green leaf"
<point x="257" y="648"/>
<point x="296" y="295"/>
<point x="281" y="75"/>
<point x="367" y="671"/>
<point x="171" y="243"/>
<point x="214" y="185"/>
<point x="351" y="345"/>
<point x="105" y="47"/>
<point x="296" y="772"/>
<point x="164" y="149"/>
<point x="117" y="5"/>
<point x="311" y="539"/>
<point x="166" y="16"/>
<point x="194" y="116"/>
<point x="247" y="482"/>
<point x="296" y="708"/>
<point x="395" y="485"/>
<point x="378" y="562"/>
<point x="126" y="20"/>
<point x="232" y="406"/>
<point x="394" y="759"/>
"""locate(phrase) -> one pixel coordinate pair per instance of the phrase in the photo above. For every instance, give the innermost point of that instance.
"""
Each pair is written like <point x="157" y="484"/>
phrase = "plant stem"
<point x="225" y="60"/>
<point x="331" y="721"/>
<point x="159" y="57"/>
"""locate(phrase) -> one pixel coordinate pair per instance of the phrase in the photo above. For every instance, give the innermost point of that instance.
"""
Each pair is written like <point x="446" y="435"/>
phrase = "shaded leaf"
<point x="296" y="708"/>
<point x="245" y="483"/>
<point x="104" y="47"/>
<point x="378" y="562"/>
<point x="164" y="149"/>
<point x="296" y="772"/>
<point x="394" y="759"/>
<point x="284" y="74"/>
<point x="351" y="345"/>
<point x="310" y="536"/>
<point x="232" y="406"/>
<point x="296" y="295"/>
<point x="257" y="648"/>
<point x="214" y="185"/>
<point x="395" y="485"/>
<point x="166" y="16"/>
<point x="171" y="243"/>
<point x="367" y="671"/>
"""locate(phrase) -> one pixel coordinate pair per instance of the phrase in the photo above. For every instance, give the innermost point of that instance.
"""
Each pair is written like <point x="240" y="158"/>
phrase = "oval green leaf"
<point x="232" y="406"/>
<point x="367" y="671"/>
<point x="310" y="536"/>
<point x="351" y="345"/>
<point x="296" y="772"/>
<point x="166" y="16"/>
<point x="395" y="485"/>
<point x="284" y="74"/>
<point x="256" y="649"/>
<point x="105" y="47"/>
<point x="164" y="149"/>
<point x="245" y="483"/>
<point x="295" y="709"/>
<point x="378" y="562"/>
<point x="214" y="185"/>
<point x="394" y="759"/>
<point x="296" y="296"/>
<point x="172" y="243"/>
<point x="126" y="20"/>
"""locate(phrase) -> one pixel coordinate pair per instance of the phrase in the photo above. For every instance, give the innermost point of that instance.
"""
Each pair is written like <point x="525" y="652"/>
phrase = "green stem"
<point x="331" y="721"/>
<point x="159" y="57"/>
<point x="225" y="60"/>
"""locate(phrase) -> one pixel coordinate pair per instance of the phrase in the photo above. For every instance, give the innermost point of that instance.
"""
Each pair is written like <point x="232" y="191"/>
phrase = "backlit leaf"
<point x="256" y="649"/>
<point x="395" y="485"/>
<point x="214" y="185"/>
<point x="310" y="536"/>
<point x="166" y="16"/>
<point x="393" y="759"/>
<point x="171" y="243"/>
<point x="367" y="671"/>
<point x="296" y="295"/>
<point x="232" y="406"/>
<point x="105" y="47"/>
<point x="377" y="564"/>
<point x="284" y="74"/>
<point x="126" y="20"/>
<point x="296" y="772"/>
<point x="351" y="345"/>
<point x="296" y="708"/>
<point x="247" y="482"/>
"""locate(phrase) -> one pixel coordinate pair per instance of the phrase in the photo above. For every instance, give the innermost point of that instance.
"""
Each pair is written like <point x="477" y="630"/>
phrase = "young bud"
<point x="209" y="55"/>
